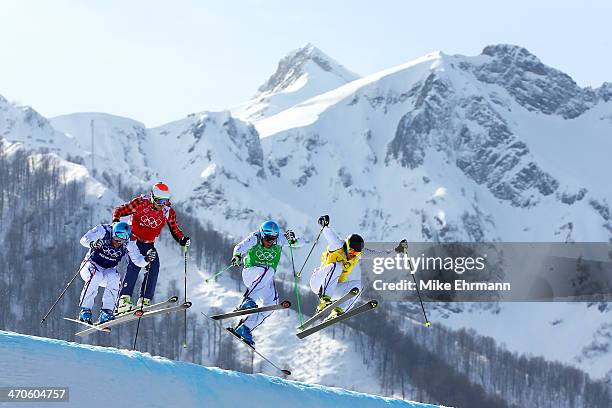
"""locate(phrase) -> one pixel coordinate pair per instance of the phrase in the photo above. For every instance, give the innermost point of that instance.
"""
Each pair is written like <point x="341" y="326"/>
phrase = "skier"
<point x="332" y="279"/>
<point x="260" y="252"/>
<point x="107" y="244"/>
<point x="149" y="213"/>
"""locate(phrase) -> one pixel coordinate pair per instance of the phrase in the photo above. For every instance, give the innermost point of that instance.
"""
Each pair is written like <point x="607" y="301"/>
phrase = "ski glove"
<point x="236" y="260"/>
<point x="185" y="241"/>
<point x="324" y="220"/>
<point x="402" y="248"/>
<point x="290" y="235"/>
<point x="151" y="255"/>
<point x="96" y="245"/>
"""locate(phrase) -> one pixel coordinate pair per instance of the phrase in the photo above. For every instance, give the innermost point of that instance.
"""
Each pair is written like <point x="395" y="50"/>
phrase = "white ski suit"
<point x="335" y="279"/>
<point x="259" y="279"/>
<point x="100" y="268"/>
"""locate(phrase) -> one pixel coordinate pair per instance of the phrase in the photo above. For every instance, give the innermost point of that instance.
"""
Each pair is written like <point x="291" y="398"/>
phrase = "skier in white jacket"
<point x="260" y="253"/>
<point x="107" y="244"/>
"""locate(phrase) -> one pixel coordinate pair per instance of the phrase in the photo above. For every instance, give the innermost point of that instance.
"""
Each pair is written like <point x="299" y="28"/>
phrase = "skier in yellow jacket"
<point x="332" y="279"/>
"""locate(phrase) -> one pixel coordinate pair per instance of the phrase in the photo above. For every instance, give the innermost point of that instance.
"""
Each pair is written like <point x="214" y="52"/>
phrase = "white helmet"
<point x="160" y="193"/>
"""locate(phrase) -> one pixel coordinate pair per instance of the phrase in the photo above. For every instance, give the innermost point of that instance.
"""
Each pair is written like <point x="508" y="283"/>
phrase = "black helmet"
<point x="355" y="242"/>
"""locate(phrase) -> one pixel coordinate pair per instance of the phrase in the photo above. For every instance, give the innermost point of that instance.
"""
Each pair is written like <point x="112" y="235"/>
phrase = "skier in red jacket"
<point x="149" y="213"/>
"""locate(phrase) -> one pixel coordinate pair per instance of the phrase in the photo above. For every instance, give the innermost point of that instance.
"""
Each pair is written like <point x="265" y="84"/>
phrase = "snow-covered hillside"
<point x="225" y="164"/>
<point x="98" y="376"/>
<point x="494" y="147"/>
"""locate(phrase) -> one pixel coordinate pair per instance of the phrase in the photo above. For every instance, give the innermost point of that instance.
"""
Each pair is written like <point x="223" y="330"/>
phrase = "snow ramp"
<point x="107" y="377"/>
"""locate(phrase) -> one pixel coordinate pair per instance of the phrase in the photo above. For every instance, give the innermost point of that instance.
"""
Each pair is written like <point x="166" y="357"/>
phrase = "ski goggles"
<point x="270" y="238"/>
<point x="161" y="201"/>
<point x="353" y="252"/>
<point x="120" y="239"/>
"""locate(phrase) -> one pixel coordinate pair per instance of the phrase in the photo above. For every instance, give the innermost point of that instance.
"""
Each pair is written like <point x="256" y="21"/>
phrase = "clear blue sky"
<point x="157" y="61"/>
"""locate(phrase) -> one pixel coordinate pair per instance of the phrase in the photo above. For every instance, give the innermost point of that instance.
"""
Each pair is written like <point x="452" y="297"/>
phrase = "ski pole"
<point x="427" y="323"/>
<point x="142" y="292"/>
<point x="299" y="274"/>
<point x="185" y="253"/>
<point x="207" y="280"/>
<point x="295" y="282"/>
<point x="65" y="289"/>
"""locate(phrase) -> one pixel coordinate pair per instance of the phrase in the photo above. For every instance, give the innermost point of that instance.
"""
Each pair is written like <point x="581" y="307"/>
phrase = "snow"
<point x="325" y="151"/>
<point x="97" y="375"/>
<point x="301" y="74"/>
<point x="558" y="331"/>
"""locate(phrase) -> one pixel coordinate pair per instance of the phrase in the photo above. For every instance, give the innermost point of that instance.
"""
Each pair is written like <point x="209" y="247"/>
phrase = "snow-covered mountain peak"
<point x="25" y="125"/>
<point x="300" y="75"/>
<point x="306" y="60"/>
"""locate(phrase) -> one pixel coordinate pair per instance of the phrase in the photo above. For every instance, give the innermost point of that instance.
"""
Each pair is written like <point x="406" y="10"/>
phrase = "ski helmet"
<point x="160" y="193"/>
<point x="355" y="242"/>
<point x="122" y="231"/>
<point x="269" y="229"/>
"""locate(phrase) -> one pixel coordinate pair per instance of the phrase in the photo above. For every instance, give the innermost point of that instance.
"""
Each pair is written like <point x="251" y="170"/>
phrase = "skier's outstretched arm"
<point x="135" y="255"/>
<point x="125" y="209"/>
<point x="243" y="246"/>
<point x="334" y="241"/>
<point x="401" y="248"/>
<point x="92" y="235"/>
<point x="175" y="230"/>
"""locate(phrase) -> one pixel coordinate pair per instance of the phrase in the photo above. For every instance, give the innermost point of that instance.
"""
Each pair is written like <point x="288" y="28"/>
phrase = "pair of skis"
<point x="307" y="328"/>
<point x="166" y="306"/>
<point x="217" y="319"/>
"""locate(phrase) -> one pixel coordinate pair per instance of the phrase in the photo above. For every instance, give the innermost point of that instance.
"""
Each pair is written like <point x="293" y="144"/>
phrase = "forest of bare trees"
<point x="42" y="217"/>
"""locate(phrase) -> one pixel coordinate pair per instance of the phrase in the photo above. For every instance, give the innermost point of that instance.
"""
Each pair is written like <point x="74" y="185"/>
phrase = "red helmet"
<point x="160" y="193"/>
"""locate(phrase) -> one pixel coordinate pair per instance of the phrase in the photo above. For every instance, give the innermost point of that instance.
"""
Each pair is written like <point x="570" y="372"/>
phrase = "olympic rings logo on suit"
<point x="112" y="252"/>
<point x="151" y="222"/>
<point x="264" y="255"/>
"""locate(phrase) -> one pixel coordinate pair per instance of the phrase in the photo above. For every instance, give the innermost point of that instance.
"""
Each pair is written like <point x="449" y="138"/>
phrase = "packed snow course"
<point x="102" y="377"/>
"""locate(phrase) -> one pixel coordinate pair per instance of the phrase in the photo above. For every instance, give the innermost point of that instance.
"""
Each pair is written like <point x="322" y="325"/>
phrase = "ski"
<point x="235" y="335"/>
<point x="241" y="340"/>
<point x="282" y="305"/>
<point x="93" y="326"/>
<point x="351" y="294"/>
<point x="369" y="305"/>
<point x="131" y="317"/>
<point x="156" y="306"/>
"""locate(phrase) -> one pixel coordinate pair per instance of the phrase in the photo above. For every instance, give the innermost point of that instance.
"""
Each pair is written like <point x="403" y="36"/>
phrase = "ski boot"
<point x="324" y="301"/>
<point x="247" y="303"/>
<point x="125" y="304"/>
<point x="337" y="311"/>
<point x="244" y="332"/>
<point x="143" y="302"/>
<point x="106" y="315"/>
<point x="85" y="315"/>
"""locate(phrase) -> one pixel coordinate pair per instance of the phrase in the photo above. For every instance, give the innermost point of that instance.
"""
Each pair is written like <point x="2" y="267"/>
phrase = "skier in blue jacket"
<point x="107" y="244"/>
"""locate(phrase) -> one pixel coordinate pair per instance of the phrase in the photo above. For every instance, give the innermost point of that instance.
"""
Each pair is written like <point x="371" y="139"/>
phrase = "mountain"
<point x="31" y="360"/>
<point x="493" y="147"/>
<point x="461" y="156"/>
<point x="300" y="75"/>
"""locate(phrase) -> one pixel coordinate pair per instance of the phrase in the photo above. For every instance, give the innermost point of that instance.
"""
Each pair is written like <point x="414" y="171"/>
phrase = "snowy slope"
<point x="300" y="75"/>
<point x="454" y="154"/>
<point x="117" y="145"/>
<point x="494" y="147"/>
<point x="573" y="333"/>
<point x="31" y="360"/>
<point x="210" y="163"/>
<point x="445" y="148"/>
